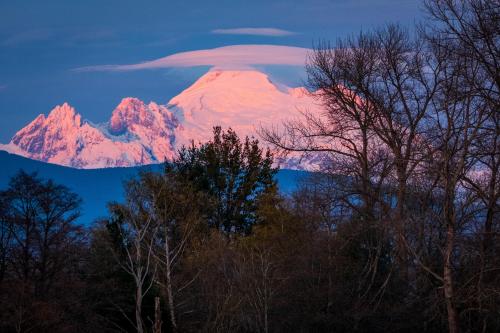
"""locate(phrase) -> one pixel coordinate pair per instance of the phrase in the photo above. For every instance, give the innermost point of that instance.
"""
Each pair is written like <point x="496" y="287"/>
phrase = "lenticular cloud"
<point x="271" y="32"/>
<point x="227" y="57"/>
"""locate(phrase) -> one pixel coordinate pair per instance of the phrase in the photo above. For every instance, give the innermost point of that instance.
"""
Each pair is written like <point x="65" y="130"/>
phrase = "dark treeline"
<point x="399" y="232"/>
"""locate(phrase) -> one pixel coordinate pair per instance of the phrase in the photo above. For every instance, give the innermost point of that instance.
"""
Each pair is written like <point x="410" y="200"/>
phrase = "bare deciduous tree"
<point x="133" y="228"/>
<point x="377" y="89"/>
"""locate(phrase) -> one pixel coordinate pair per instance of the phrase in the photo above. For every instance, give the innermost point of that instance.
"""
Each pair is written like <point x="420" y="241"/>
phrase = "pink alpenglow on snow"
<point x="242" y="100"/>
<point x="62" y="138"/>
<point x="139" y="133"/>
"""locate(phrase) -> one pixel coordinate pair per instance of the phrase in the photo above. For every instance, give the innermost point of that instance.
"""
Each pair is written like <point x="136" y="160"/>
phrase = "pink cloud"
<point x="273" y="32"/>
<point x="227" y="57"/>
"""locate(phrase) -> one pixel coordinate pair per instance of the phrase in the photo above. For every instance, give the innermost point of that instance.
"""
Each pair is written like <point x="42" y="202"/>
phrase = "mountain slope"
<point x="140" y="134"/>
<point x="242" y="100"/>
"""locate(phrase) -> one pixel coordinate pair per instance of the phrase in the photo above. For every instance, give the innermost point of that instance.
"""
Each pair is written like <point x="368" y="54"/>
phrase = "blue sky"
<point x="42" y="42"/>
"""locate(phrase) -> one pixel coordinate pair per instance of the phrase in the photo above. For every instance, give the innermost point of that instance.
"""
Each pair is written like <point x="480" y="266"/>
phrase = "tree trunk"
<point x="449" y="295"/>
<point x="157" y="325"/>
<point x="138" y="289"/>
<point x="168" y="285"/>
<point x="266" y="319"/>
<point x="490" y="213"/>
<point x="453" y="326"/>
<point x="402" y="251"/>
<point x="138" y="308"/>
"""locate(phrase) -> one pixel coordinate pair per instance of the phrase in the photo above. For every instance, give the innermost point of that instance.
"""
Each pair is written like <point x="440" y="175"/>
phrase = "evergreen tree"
<point x="232" y="173"/>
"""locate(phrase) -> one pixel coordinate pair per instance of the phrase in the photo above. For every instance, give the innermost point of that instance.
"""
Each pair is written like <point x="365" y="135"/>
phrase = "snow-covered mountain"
<point x="242" y="100"/>
<point x="139" y="133"/>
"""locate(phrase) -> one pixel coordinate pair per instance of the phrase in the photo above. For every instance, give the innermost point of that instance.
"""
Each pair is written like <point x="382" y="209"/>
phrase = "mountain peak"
<point x="243" y="100"/>
<point x="64" y="116"/>
<point x="39" y="118"/>
<point x="130" y="111"/>
<point x="232" y="79"/>
<point x="62" y="110"/>
<point x="47" y="136"/>
<point x="130" y="103"/>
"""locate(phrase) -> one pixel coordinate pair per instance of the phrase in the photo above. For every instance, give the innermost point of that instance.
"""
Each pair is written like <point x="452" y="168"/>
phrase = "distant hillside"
<point x="99" y="186"/>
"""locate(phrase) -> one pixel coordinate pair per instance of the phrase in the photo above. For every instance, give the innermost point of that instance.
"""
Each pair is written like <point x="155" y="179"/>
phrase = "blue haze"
<point x="97" y="187"/>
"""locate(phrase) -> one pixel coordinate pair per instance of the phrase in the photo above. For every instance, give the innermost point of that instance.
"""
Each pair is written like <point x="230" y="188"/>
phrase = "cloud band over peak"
<point x="233" y="56"/>
<point x="272" y="32"/>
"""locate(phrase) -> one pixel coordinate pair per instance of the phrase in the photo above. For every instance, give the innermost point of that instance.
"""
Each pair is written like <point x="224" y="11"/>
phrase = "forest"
<point x="397" y="231"/>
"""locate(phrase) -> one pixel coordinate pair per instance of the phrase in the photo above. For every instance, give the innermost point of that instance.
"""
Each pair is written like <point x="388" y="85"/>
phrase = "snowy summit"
<point x="139" y="133"/>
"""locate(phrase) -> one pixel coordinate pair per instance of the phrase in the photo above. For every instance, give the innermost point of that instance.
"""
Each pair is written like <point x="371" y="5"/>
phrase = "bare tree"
<point x="256" y="270"/>
<point x="402" y="113"/>
<point x="177" y="219"/>
<point x="344" y="132"/>
<point x="467" y="34"/>
<point x="40" y="246"/>
<point x="458" y="120"/>
<point x="470" y="30"/>
<point x="377" y="89"/>
<point x="133" y="228"/>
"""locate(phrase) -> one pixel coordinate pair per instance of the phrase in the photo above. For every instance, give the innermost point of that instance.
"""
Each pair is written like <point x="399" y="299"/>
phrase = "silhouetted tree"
<point x="234" y="174"/>
<point x="42" y="250"/>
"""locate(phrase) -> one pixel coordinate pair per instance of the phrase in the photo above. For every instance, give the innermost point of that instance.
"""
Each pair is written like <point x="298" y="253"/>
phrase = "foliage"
<point x="232" y="173"/>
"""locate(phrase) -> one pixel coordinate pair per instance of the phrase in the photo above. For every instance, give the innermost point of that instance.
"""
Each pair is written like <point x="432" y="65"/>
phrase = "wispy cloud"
<point x="233" y="57"/>
<point x="27" y="37"/>
<point x="3" y="87"/>
<point x="272" y="32"/>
